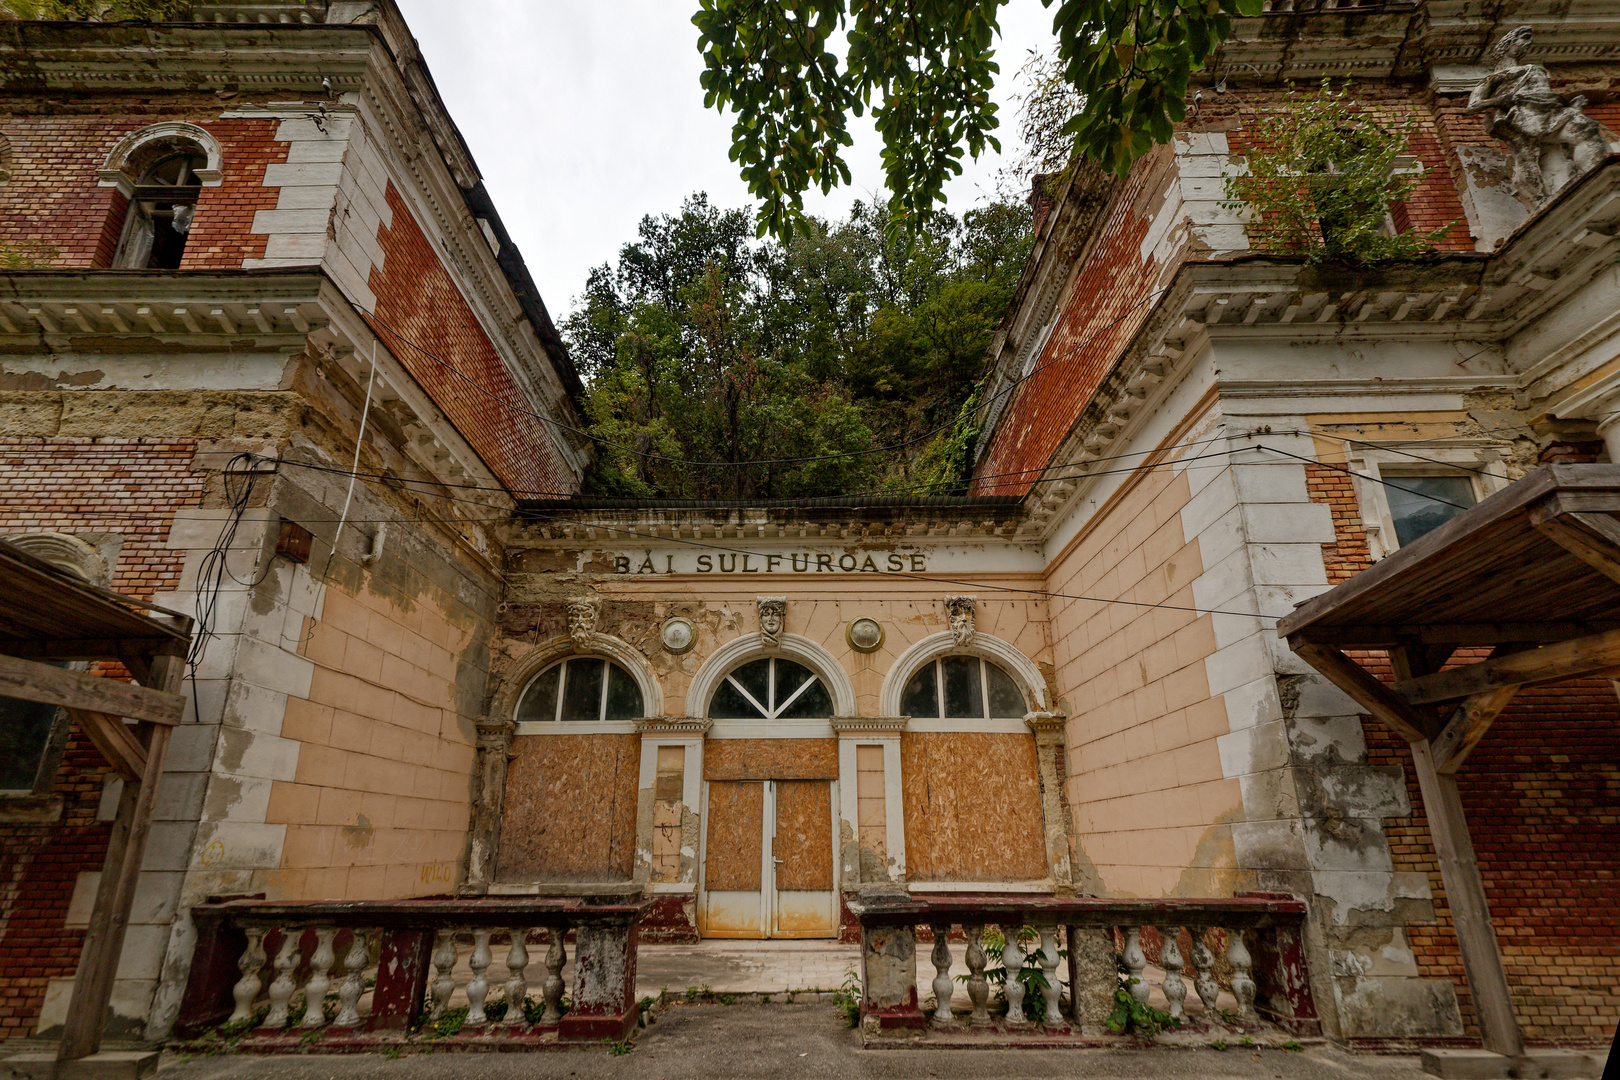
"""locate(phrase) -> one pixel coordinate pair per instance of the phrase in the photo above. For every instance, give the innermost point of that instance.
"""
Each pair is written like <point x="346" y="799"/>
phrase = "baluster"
<point x="281" y="990"/>
<point x="1135" y="963"/>
<point x="1175" y="987"/>
<point x="556" y="957"/>
<point x="444" y="961"/>
<point x="478" y="986"/>
<point x="354" y="981"/>
<point x="1243" y="988"/>
<point x="517" y="987"/>
<point x="942" y="974"/>
<point x="978" y="986"/>
<point x="1049" y="964"/>
<point x="320" y="962"/>
<point x="246" y="990"/>
<point x="1204" y="980"/>
<point x="1012" y="957"/>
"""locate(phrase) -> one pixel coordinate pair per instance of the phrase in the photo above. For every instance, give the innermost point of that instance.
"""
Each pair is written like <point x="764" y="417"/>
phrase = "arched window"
<point x="771" y="689"/>
<point x="962" y="688"/>
<point x="160" y="211"/>
<point x="580" y="688"/>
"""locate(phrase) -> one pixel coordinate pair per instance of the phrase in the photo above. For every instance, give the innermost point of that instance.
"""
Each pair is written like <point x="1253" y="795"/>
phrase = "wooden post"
<point x="1465" y="894"/>
<point x="126" y="849"/>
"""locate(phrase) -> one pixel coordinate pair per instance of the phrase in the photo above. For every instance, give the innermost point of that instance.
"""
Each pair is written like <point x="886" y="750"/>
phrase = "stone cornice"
<point x="870" y="725"/>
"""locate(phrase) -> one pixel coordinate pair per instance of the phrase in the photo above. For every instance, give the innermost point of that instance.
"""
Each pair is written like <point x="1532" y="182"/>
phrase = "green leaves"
<point x="926" y="67"/>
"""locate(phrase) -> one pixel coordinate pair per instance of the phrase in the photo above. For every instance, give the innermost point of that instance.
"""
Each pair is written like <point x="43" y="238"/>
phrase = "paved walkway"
<point x="747" y="1041"/>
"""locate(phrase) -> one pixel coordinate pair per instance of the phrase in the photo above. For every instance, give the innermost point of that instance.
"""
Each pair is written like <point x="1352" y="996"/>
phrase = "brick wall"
<point x="54" y="197"/>
<point x="1540" y="792"/>
<point x="422" y="312"/>
<point x="126" y="487"/>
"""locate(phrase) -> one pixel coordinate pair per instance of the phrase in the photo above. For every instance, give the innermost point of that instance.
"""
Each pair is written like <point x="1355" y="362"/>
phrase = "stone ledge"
<point x="107" y="1065"/>
<point x="1488" y="1065"/>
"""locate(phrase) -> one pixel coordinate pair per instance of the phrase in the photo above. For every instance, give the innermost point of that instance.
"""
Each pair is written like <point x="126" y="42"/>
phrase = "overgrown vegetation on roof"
<point x="93" y="10"/>
<point x="722" y="367"/>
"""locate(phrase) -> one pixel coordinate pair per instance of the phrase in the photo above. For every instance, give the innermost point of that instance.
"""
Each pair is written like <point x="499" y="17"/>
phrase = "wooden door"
<point x="734" y="853"/>
<point x="805" y="902"/>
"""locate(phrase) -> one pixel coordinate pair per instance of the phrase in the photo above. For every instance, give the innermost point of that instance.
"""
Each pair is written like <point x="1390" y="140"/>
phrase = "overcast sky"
<point x="586" y="115"/>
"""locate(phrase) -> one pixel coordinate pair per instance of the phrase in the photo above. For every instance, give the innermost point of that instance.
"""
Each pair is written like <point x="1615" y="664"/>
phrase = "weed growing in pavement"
<point x="620" y="1047"/>
<point x="648" y="1004"/>
<point x="1136" y="1017"/>
<point x="1292" y="1044"/>
<point x="847" y="999"/>
<point x="1219" y="1044"/>
<point x="1246" y="1042"/>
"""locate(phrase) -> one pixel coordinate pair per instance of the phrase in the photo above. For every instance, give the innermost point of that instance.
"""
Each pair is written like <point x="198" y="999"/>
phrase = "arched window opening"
<point x="771" y="689"/>
<point x="160" y="212"/>
<point x="580" y="688"/>
<point x="963" y="688"/>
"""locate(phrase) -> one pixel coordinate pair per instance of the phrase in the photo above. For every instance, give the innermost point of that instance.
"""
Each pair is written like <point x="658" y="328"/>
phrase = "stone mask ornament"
<point x="959" y="610"/>
<point x="772" y="618"/>
<point x="582" y="615"/>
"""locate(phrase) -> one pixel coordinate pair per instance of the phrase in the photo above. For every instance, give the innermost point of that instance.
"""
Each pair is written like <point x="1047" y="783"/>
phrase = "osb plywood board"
<point x="734" y="847"/>
<point x="570" y="811"/>
<point x="973" y="807"/>
<point x="803" y="834"/>
<point x="770" y="759"/>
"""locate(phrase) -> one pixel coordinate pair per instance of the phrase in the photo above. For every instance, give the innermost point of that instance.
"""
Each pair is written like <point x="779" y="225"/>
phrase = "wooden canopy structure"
<point x="50" y="615"/>
<point x="1529" y="582"/>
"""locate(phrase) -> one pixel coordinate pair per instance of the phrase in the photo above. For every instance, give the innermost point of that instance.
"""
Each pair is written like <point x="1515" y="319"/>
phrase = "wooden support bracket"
<point x="1549" y="663"/>
<point x="1467" y="726"/>
<point x="1382" y="702"/>
<point x="1592" y="538"/>
<point x="115" y="741"/>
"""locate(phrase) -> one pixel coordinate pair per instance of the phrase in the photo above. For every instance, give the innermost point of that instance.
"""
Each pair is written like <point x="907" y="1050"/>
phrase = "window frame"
<point x="601" y="723"/>
<point x="770" y="715"/>
<point x="937" y="664"/>
<point x="1372" y="466"/>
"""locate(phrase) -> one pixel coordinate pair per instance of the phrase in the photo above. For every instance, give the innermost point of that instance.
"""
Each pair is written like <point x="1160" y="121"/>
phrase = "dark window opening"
<point x="160" y="214"/>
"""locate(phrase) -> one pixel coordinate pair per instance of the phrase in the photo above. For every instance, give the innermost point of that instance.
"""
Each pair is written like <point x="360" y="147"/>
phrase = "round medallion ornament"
<point x="678" y="635"/>
<point x="864" y="635"/>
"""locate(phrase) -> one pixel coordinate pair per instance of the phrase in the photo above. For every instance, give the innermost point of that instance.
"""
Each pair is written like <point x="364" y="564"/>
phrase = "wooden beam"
<point x="1592" y="538"/>
<point x="1467" y="726"/>
<point x="1368" y="692"/>
<point x="1549" y="663"/>
<point x="1470" y="915"/>
<point x="94" y="648"/>
<point x="33" y="681"/>
<point x="115" y="741"/>
<point x="120" y="872"/>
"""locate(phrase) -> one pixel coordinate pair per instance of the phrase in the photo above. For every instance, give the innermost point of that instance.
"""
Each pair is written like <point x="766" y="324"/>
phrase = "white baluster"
<point x="556" y="957"/>
<point x="354" y="981"/>
<point x="1204" y="979"/>
<point x="1135" y="963"/>
<point x="281" y="990"/>
<point x="942" y="974"/>
<point x="444" y="961"/>
<point x="320" y="962"/>
<point x="478" y="986"/>
<point x="246" y="990"/>
<point x="1012" y="957"/>
<point x="1049" y="964"/>
<point x="517" y="987"/>
<point x="1243" y="988"/>
<point x="978" y="986"/>
<point x="1175" y="987"/>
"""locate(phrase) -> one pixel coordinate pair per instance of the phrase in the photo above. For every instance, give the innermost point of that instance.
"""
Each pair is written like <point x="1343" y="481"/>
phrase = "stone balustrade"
<point x="270" y="966"/>
<point x="1260" y="935"/>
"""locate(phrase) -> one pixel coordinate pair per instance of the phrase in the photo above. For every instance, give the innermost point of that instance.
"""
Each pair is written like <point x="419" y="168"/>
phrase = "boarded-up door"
<point x="768" y="860"/>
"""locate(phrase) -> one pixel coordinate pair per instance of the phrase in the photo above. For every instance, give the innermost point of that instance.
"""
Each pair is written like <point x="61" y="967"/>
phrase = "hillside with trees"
<point x="718" y="366"/>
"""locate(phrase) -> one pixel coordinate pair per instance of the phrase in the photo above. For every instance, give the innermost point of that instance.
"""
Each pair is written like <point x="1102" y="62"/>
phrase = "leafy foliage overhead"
<point x="925" y="68"/>
<point x="721" y="367"/>
<point x="96" y="10"/>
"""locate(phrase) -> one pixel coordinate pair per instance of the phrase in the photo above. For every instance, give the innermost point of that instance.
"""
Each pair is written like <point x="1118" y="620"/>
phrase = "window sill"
<point x="16" y="809"/>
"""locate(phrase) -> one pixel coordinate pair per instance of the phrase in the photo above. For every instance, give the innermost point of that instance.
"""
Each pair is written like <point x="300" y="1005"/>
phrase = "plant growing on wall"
<point x="1323" y="178"/>
<point x="1031" y="975"/>
<point x="93" y="10"/>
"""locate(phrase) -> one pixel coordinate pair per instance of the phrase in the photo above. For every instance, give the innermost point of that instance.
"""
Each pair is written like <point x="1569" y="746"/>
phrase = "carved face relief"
<point x="772" y="618"/>
<point x="582" y="620"/>
<point x="959" y="610"/>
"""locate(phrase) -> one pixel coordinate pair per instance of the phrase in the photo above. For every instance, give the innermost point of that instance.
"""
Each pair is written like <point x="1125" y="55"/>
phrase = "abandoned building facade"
<point x="280" y="368"/>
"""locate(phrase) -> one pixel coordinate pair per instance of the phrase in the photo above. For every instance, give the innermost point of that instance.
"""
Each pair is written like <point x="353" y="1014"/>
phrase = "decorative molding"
<point x="558" y="648"/>
<point x="734" y="652"/>
<point x="869" y="725"/>
<point x="115" y="171"/>
<point x="673" y="725"/>
<point x="582" y="615"/>
<point x="944" y="643"/>
<point x="67" y="552"/>
<point x="1047" y="725"/>
<point x="864" y="635"/>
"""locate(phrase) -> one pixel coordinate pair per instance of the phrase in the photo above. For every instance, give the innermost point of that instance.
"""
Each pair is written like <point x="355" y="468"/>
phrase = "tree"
<point x="925" y="68"/>
<point x="92" y="10"/>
